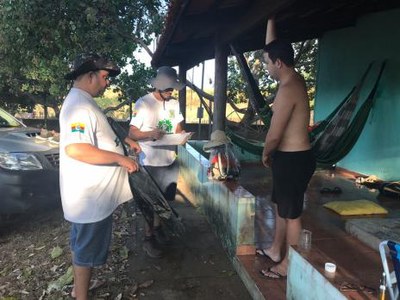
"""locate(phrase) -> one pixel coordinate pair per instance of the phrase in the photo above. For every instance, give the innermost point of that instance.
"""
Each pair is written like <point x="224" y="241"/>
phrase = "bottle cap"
<point x="330" y="267"/>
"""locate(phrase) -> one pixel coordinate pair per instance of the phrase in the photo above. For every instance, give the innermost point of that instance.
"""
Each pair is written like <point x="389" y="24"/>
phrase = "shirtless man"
<point x="287" y="150"/>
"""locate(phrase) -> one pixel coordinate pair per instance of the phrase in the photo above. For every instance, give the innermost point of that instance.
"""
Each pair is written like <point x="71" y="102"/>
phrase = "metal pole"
<point x="200" y="110"/>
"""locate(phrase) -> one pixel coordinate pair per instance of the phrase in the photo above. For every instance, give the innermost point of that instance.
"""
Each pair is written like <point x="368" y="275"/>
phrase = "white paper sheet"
<point x="171" y="139"/>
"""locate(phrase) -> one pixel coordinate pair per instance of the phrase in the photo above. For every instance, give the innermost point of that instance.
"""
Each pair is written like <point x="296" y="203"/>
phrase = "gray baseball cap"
<point x="166" y="78"/>
<point x="89" y="62"/>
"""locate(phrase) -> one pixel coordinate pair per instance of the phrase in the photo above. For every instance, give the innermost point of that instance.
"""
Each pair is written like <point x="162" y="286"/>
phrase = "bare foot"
<point x="94" y="284"/>
<point x="280" y="269"/>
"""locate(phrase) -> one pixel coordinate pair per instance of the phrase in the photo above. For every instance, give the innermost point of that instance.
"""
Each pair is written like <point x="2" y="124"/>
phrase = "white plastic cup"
<point x="305" y="239"/>
<point x="330" y="267"/>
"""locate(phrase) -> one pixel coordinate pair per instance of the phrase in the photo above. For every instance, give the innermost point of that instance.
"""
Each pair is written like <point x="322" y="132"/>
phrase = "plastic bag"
<point x="223" y="163"/>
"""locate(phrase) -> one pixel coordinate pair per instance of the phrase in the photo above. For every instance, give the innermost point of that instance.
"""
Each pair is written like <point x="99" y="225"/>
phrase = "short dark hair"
<point x="280" y="49"/>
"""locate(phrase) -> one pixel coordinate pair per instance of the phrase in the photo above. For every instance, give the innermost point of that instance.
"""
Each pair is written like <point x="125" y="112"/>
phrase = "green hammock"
<point x="347" y="106"/>
<point x="348" y="139"/>
<point x="343" y="143"/>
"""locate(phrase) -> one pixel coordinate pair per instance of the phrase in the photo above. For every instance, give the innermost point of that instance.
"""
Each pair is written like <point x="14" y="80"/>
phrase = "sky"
<point x="194" y="75"/>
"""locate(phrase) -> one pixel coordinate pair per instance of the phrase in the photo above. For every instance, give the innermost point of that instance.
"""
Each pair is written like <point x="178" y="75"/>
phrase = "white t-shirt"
<point x="150" y="113"/>
<point x="89" y="193"/>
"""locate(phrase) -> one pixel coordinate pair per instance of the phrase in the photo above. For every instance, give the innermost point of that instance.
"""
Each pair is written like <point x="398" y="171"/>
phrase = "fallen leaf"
<point x="146" y="284"/>
<point x="54" y="268"/>
<point x="134" y="288"/>
<point x="43" y="294"/>
<point x="124" y="252"/>
<point x="157" y="267"/>
<point x="56" y="252"/>
<point x="62" y="281"/>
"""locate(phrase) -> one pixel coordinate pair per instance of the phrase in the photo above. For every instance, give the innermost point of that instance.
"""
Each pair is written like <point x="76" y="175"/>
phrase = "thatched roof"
<point x="193" y="27"/>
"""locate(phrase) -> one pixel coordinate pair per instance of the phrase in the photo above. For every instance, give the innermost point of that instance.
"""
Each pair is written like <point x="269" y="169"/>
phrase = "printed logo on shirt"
<point x="78" y="127"/>
<point x="172" y="114"/>
<point x="165" y="125"/>
<point x="134" y="113"/>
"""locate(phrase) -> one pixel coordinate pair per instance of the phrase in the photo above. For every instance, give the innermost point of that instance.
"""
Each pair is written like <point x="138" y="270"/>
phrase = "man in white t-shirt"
<point x="93" y="169"/>
<point x="154" y="115"/>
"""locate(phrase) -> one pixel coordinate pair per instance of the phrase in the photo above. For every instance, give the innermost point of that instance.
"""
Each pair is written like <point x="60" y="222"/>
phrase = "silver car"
<point x="29" y="163"/>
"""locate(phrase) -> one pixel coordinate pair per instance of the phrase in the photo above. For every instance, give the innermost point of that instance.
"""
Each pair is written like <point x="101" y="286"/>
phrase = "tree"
<point x="40" y="37"/>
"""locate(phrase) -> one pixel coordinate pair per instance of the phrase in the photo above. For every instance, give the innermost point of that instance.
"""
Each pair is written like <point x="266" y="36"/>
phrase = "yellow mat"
<point x="355" y="207"/>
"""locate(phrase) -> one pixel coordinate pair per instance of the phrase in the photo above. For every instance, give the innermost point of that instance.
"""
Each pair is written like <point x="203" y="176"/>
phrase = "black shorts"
<point x="291" y="173"/>
<point x="166" y="178"/>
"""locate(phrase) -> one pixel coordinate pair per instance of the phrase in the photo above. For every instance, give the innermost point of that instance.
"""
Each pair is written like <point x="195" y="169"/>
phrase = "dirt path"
<point x="35" y="258"/>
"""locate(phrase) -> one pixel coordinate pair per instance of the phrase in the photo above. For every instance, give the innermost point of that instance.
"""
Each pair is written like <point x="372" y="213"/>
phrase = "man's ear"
<point x="278" y="63"/>
<point x="92" y="75"/>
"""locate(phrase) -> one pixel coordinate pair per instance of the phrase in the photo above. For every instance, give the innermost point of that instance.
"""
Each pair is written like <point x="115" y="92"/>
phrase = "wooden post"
<point x="221" y="79"/>
<point x="182" y="93"/>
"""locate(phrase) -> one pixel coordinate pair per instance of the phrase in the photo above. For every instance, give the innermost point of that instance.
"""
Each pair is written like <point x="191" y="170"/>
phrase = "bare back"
<point x="291" y="115"/>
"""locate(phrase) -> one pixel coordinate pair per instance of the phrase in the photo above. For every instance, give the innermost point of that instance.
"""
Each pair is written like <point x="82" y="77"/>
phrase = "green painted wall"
<point x="343" y="57"/>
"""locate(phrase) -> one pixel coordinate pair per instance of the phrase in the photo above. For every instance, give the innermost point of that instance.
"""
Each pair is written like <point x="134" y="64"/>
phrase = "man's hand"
<point x="266" y="160"/>
<point x="270" y="34"/>
<point x="130" y="165"/>
<point x="156" y="134"/>
<point x="133" y="145"/>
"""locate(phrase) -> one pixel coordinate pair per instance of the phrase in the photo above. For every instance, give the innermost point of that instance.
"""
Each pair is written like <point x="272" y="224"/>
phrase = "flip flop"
<point x="262" y="252"/>
<point x="270" y="274"/>
<point x="94" y="284"/>
<point x="335" y="190"/>
<point x="325" y="190"/>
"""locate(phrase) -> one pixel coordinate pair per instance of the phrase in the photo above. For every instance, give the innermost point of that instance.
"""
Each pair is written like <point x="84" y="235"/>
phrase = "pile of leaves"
<point x="35" y="259"/>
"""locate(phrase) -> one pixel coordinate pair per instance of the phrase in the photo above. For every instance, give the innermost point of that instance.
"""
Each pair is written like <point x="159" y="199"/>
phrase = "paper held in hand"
<point x="171" y="139"/>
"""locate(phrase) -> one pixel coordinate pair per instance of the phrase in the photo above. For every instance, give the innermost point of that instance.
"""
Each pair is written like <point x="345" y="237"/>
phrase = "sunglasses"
<point x="167" y="90"/>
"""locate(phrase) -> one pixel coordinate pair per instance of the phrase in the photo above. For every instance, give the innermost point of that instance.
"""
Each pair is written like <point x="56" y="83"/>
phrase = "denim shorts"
<point x="90" y="242"/>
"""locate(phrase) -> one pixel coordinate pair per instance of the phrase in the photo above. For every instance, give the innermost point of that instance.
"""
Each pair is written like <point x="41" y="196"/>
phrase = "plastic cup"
<point x="305" y="239"/>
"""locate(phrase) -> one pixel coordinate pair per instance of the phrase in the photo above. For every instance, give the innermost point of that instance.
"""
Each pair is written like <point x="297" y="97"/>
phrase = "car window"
<point x="7" y="120"/>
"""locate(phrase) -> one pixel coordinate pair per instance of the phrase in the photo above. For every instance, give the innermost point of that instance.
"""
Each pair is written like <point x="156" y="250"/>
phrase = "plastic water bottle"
<point x="382" y="287"/>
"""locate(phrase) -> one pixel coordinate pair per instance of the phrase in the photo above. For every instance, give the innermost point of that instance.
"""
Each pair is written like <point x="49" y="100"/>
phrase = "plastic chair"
<point x="392" y="284"/>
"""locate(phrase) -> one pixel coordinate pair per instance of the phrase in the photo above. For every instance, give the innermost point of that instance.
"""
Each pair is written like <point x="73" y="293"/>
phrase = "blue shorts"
<point x="90" y="242"/>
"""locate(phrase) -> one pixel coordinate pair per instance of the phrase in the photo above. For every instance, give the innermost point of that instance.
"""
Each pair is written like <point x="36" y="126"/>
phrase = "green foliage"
<point x="106" y="101"/>
<point x="39" y="38"/>
<point x="132" y="85"/>
<point x="306" y="56"/>
<point x="236" y="84"/>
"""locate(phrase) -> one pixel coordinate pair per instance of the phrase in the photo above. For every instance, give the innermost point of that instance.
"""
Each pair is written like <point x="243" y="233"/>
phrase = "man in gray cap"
<point x="93" y="169"/>
<point x="154" y="115"/>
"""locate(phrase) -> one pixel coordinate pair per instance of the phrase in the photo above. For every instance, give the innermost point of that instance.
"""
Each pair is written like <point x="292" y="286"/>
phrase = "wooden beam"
<point x="182" y="93"/>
